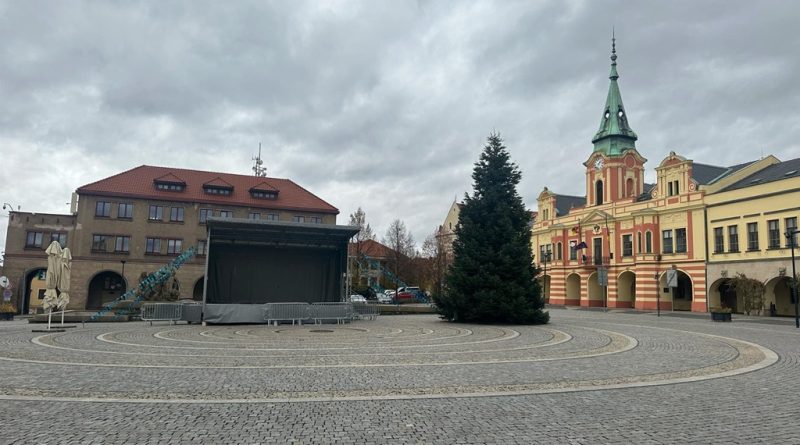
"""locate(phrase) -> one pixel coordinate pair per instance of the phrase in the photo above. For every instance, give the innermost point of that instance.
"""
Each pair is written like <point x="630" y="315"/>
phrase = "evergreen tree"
<point x="492" y="278"/>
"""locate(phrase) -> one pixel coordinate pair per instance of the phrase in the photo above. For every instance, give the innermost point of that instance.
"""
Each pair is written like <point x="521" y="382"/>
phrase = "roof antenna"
<point x="258" y="166"/>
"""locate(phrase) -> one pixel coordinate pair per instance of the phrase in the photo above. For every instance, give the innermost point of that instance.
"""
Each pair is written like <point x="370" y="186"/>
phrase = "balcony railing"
<point x="595" y="261"/>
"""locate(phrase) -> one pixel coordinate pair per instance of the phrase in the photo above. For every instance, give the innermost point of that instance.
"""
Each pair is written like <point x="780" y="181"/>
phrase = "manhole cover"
<point x="321" y="331"/>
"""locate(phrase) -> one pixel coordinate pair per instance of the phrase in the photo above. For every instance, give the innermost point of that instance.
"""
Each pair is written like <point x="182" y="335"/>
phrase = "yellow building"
<point x="747" y="222"/>
<point x="617" y="245"/>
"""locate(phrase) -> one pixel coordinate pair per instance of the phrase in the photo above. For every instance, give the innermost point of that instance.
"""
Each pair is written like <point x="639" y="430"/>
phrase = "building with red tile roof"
<point x="138" y="220"/>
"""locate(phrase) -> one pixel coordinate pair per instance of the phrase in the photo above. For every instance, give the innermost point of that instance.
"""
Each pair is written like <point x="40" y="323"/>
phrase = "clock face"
<point x="598" y="164"/>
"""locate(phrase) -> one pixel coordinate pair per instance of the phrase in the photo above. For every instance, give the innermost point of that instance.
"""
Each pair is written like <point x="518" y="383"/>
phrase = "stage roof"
<point x="278" y="233"/>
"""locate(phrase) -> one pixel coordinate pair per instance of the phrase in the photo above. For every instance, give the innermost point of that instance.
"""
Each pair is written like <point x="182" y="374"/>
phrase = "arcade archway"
<point x="596" y="296"/>
<point x="197" y="292"/>
<point x="626" y="289"/>
<point x="779" y="293"/>
<point x="574" y="288"/>
<point x="104" y="287"/>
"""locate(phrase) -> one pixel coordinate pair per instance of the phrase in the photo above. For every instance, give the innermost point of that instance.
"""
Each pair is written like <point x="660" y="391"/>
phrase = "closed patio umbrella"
<point x="63" y="281"/>
<point x="51" y="278"/>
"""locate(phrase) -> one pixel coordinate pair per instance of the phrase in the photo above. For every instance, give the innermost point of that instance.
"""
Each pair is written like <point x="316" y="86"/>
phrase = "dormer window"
<point x="214" y="190"/>
<point x="264" y="190"/>
<point x="170" y="183"/>
<point x="170" y="187"/>
<point x="260" y="194"/>
<point x="218" y="186"/>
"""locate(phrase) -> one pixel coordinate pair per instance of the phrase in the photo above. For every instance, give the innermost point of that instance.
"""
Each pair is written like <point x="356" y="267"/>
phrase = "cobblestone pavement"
<point x="587" y="377"/>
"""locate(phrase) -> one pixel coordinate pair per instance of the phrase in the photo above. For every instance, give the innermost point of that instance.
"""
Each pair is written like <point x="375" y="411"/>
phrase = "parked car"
<point x="356" y="298"/>
<point x="383" y="298"/>
<point x="408" y="294"/>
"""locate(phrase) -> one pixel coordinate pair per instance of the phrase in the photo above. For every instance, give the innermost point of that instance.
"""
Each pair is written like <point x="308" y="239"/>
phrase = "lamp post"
<point x="545" y="258"/>
<point x="9" y="207"/>
<point x="123" y="270"/>
<point x="790" y="236"/>
<point x="658" y="296"/>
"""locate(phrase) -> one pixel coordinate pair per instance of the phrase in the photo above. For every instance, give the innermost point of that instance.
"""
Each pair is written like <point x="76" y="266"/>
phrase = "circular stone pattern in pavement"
<point x="390" y="358"/>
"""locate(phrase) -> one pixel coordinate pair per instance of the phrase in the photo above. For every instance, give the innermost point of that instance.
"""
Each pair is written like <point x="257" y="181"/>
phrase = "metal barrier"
<point x="192" y="312"/>
<point x="341" y="312"/>
<point x="294" y="312"/>
<point x="162" y="312"/>
<point x="365" y="311"/>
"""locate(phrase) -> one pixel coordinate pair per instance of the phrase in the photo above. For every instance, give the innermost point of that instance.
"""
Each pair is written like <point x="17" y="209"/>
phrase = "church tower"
<point x="615" y="170"/>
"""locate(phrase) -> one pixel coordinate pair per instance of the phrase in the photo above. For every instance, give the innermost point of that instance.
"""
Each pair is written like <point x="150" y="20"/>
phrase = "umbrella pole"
<point x="49" y="316"/>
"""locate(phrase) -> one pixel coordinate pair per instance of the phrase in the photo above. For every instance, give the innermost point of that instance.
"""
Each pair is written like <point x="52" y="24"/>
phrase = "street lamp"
<point x="123" y="269"/>
<point x="790" y="236"/>
<point x="545" y="258"/>
<point x="658" y="295"/>
<point x="9" y="207"/>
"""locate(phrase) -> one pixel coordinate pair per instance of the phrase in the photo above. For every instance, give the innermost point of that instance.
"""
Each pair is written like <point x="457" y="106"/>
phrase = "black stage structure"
<point x="253" y="262"/>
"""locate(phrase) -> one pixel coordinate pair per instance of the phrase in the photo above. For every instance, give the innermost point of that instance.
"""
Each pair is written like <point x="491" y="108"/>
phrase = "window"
<point x="253" y="215"/>
<point x="667" y="241"/>
<point x="673" y="188"/>
<point x="573" y="252"/>
<point x="677" y="188"/>
<point x="719" y="240"/>
<point x="205" y="214"/>
<point x="174" y="246"/>
<point x="314" y="219"/>
<point x="733" y="238"/>
<point x="122" y="244"/>
<point x="274" y="217"/>
<point x="648" y="242"/>
<point x="791" y="226"/>
<point x="225" y="214"/>
<point x="170" y="187"/>
<point x="156" y="213"/>
<point x="102" y="209"/>
<point x="627" y="245"/>
<point x="153" y="245"/>
<point x="639" y="242"/>
<point x="752" y="236"/>
<point x="670" y="192"/>
<point x="598" y="251"/>
<point x="545" y="214"/>
<point x="559" y="251"/>
<point x="680" y="240"/>
<point x="299" y="219"/>
<point x="99" y="242"/>
<point x="774" y="234"/>
<point x="217" y="190"/>
<point x="260" y="194"/>
<point x="125" y="211"/>
<point x="60" y="237"/>
<point x="201" y="247"/>
<point x="176" y="214"/>
<point x="34" y="239"/>
<point x="598" y="192"/>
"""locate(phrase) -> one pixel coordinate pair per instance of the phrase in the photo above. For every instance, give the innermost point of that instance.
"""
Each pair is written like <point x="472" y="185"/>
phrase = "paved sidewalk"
<point x="588" y="377"/>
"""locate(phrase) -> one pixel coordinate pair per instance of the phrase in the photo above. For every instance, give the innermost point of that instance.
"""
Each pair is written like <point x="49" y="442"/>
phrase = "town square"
<point x="355" y="222"/>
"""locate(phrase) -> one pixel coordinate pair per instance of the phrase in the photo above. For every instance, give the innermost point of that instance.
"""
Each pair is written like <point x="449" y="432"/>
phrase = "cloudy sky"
<point x="382" y="104"/>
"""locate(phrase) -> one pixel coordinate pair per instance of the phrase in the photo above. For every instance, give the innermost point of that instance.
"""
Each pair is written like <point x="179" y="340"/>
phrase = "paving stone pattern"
<point x="587" y="377"/>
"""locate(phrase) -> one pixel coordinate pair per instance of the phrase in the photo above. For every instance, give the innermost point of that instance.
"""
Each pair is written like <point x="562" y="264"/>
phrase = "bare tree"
<point x="365" y="233"/>
<point x="435" y="249"/>
<point x="400" y="240"/>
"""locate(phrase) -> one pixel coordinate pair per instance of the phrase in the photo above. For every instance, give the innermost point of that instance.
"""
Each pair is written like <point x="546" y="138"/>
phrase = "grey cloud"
<point x="384" y="105"/>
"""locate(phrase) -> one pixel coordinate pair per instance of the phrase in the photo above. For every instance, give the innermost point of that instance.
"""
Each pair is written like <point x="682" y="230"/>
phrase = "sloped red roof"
<point x="218" y="182"/>
<point x="138" y="183"/>
<point x="169" y="177"/>
<point x="264" y="186"/>
<point x="373" y="249"/>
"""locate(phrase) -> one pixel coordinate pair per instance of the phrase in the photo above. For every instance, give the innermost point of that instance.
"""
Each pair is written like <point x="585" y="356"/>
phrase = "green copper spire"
<point x="614" y="134"/>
